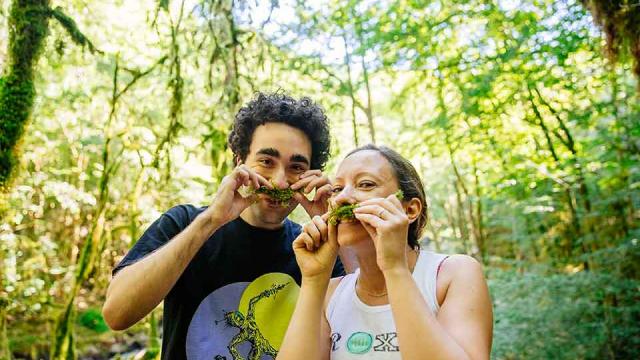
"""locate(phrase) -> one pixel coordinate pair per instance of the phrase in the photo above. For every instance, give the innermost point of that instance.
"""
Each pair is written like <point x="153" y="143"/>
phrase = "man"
<point x="227" y="272"/>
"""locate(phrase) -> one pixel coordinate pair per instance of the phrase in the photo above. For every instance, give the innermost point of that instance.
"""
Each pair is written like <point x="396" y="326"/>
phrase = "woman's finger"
<point x="308" y="241"/>
<point x="393" y="199"/>
<point x="315" y="235"/>
<point x="332" y="232"/>
<point x="321" y="226"/>
<point x="384" y="202"/>
<point x="369" y="219"/>
<point x="374" y="210"/>
<point x="369" y="222"/>
<point x="299" y="243"/>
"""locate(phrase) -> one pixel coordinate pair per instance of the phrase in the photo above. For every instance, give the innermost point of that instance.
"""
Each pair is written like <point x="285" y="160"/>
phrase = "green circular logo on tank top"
<point x="359" y="343"/>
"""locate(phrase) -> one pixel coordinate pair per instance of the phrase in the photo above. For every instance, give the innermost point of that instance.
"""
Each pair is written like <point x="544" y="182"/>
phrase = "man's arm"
<point x="140" y="287"/>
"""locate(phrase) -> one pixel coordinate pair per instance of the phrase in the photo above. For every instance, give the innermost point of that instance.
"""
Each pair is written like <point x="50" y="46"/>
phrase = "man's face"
<point x="280" y="153"/>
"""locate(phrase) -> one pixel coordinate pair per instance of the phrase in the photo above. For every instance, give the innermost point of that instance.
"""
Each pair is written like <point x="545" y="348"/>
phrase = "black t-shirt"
<point x="236" y="296"/>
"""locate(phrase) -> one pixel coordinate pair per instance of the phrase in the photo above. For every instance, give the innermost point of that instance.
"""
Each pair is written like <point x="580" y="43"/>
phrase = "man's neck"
<point x="250" y="218"/>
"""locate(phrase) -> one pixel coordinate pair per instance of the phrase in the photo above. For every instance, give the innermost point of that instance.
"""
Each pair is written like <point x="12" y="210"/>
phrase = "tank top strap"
<point x="426" y="274"/>
<point x="342" y="292"/>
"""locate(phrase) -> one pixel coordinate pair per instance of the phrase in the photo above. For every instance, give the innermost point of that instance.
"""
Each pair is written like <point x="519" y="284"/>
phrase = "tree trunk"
<point x="347" y="63"/>
<point x="482" y="247"/>
<point x="365" y="72"/>
<point x="28" y="27"/>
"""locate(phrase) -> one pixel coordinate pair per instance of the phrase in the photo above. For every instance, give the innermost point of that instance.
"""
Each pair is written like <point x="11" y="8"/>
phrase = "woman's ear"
<point x="413" y="208"/>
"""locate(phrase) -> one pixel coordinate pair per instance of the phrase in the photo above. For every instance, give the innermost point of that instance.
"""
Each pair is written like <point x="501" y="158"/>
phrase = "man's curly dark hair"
<point x="302" y="114"/>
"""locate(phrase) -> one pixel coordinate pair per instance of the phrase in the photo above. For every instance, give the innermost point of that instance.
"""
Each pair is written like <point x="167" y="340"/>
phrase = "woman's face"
<point x="361" y="176"/>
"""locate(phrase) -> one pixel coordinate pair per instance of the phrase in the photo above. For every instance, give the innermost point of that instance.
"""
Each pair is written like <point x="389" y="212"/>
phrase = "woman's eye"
<point x="336" y="190"/>
<point x="366" y="184"/>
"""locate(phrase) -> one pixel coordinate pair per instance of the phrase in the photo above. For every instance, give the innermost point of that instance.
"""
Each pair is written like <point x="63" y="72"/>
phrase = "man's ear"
<point x="413" y="208"/>
<point x="236" y="160"/>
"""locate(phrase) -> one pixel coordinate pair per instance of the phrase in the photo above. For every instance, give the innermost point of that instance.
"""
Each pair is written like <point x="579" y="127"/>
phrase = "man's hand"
<point x="309" y="180"/>
<point x="228" y="202"/>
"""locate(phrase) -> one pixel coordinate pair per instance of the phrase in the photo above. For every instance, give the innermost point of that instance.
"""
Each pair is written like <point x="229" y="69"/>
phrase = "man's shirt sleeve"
<point x="165" y="228"/>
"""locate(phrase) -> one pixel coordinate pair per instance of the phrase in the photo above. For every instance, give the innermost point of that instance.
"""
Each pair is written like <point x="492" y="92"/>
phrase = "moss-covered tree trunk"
<point x="28" y="27"/>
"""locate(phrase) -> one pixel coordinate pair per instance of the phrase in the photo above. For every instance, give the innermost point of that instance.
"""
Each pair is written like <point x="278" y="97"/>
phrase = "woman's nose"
<point x="345" y="197"/>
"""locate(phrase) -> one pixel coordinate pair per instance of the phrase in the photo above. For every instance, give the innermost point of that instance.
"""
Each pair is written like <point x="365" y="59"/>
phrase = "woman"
<point x="402" y="303"/>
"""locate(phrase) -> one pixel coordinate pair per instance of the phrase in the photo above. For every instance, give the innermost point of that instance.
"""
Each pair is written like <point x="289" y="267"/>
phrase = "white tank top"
<point x="360" y="331"/>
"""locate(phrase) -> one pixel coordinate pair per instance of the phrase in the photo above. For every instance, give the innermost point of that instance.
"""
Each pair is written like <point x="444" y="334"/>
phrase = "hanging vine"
<point x="176" y="86"/>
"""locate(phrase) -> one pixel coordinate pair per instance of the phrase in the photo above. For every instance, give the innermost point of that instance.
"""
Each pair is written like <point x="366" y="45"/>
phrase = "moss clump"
<point x="341" y="213"/>
<point x="345" y="212"/>
<point x="283" y="196"/>
<point x="620" y="21"/>
<point x="28" y="27"/>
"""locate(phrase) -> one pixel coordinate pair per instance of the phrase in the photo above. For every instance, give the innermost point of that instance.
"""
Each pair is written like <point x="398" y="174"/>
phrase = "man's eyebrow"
<point x="269" y="151"/>
<point x="299" y="158"/>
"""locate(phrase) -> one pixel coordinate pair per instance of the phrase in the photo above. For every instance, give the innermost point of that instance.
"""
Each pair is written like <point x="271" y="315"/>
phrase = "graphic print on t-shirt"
<point x="243" y="320"/>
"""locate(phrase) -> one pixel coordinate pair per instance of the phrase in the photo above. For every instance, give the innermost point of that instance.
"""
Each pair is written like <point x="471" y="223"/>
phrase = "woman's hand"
<point x="316" y="249"/>
<point x="388" y="225"/>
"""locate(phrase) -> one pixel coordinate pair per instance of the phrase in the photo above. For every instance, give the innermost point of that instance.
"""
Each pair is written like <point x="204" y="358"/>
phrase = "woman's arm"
<point x="462" y="329"/>
<point x="463" y="326"/>
<point x="307" y="336"/>
<point x="303" y="337"/>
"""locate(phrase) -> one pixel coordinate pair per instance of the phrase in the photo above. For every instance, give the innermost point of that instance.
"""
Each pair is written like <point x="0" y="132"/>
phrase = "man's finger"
<point x="242" y="177"/>
<point x="310" y="172"/>
<point x="322" y="191"/>
<point x="262" y="181"/>
<point x="316" y="183"/>
<point x="302" y="183"/>
<point x="300" y="198"/>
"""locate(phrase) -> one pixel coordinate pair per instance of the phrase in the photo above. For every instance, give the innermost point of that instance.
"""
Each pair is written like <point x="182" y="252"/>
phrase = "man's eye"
<point x="298" y="168"/>
<point x="265" y="161"/>
<point x="366" y="184"/>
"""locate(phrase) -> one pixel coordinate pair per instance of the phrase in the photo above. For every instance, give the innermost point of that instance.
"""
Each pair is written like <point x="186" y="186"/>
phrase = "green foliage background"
<point x="527" y="138"/>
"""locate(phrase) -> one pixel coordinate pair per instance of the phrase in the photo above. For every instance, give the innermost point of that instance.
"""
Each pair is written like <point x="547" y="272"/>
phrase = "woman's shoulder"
<point x="457" y="268"/>
<point x="460" y="263"/>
